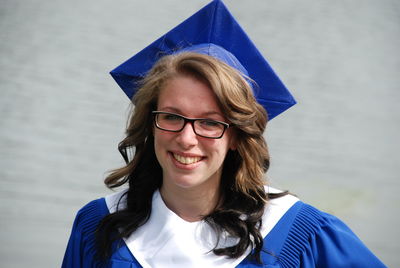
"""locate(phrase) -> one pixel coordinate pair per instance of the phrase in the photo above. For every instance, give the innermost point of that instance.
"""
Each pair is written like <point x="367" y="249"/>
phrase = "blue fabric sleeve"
<point x="308" y="238"/>
<point x="318" y="239"/>
<point x="80" y="251"/>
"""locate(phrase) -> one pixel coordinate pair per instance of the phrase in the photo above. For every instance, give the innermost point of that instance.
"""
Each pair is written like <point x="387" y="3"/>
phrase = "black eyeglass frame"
<point x="191" y="121"/>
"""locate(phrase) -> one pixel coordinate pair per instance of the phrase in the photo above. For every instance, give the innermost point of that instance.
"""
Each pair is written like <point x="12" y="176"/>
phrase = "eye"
<point x="170" y="117"/>
<point x="209" y="123"/>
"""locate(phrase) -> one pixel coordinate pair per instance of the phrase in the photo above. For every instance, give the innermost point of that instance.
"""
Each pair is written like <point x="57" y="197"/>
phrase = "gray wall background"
<point x="61" y="114"/>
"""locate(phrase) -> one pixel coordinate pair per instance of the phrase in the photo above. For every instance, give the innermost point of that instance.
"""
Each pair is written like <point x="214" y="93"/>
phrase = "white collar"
<point x="166" y="240"/>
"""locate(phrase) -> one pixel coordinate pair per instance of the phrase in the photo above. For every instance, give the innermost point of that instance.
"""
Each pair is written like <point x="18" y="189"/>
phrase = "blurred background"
<point x="62" y="115"/>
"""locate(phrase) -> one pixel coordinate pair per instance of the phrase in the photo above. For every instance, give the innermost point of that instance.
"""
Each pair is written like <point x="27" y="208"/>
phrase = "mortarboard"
<point x="213" y="31"/>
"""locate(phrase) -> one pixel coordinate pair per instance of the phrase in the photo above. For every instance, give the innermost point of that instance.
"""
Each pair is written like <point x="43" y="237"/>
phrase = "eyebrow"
<point x="176" y="110"/>
<point x="169" y="109"/>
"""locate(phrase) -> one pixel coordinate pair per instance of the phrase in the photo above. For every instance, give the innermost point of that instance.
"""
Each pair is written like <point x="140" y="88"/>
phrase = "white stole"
<point x="166" y="240"/>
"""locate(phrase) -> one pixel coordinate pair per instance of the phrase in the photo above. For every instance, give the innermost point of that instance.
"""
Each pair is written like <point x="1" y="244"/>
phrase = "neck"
<point x="190" y="204"/>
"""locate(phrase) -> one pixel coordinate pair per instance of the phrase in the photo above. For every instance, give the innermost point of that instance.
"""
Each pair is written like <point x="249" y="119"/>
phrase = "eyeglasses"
<point x="203" y="127"/>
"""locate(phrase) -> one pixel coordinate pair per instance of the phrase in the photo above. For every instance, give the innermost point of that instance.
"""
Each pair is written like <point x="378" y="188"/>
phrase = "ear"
<point x="233" y="141"/>
<point x="233" y="146"/>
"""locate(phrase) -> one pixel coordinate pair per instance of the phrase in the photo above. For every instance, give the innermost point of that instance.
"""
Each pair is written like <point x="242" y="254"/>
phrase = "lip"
<point x="185" y="166"/>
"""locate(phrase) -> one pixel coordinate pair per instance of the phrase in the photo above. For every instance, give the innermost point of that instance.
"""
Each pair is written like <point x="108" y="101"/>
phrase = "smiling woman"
<point x="189" y="161"/>
<point x="195" y="163"/>
<point x="198" y="173"/>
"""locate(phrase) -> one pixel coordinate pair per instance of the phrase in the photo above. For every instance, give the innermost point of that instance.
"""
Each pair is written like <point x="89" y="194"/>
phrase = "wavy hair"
<point x="243" y="198"/>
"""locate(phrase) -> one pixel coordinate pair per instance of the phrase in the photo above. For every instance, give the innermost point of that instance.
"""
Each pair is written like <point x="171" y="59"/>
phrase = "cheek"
<point x="158" y="144"/>
<point x="162" y="137"/>
<point x="159" y="150"/>
<point x="220" y="150"/>
<point x="162" y="142"/>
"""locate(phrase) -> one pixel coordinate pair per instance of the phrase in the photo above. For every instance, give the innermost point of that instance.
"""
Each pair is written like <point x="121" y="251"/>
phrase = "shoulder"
<point x="87" y="220"/>
<point x="92" y="211"/>
<point x="308" y="237"/>
<point x="90" y="214"/>
<point x="82" y="240"/>
<point x="275" y="209"/>
<point x="116" y="201"/>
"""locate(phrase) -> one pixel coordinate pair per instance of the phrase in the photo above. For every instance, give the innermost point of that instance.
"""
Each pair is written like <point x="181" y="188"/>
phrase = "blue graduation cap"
<point x="212" y="31"/>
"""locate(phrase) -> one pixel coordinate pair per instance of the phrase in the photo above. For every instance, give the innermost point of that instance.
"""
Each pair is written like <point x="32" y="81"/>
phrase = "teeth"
<point x="186" y="160"/>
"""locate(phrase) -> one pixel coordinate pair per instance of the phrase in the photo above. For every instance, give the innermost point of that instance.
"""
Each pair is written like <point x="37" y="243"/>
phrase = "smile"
<point x="186" y="160"/>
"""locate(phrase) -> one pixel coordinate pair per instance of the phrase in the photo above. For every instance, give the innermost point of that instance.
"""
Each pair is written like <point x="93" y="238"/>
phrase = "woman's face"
<point x="189" y="161"/>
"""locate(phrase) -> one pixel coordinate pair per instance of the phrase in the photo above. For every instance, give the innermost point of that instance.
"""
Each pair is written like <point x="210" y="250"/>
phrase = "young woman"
<point x="196" y="196"/>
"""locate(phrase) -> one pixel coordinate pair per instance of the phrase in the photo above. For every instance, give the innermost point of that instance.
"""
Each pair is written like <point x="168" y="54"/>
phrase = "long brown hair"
<point x="242" y="184"/>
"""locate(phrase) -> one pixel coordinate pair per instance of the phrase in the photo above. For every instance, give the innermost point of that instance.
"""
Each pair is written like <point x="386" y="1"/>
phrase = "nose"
<point x="187" y="137"/>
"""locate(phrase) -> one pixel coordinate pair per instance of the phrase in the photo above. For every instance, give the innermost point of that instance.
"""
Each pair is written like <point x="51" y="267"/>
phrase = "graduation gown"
<point x="295" y="235"/>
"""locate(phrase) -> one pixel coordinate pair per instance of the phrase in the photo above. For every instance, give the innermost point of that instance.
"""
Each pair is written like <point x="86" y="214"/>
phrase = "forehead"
<point x="188" y="95"/>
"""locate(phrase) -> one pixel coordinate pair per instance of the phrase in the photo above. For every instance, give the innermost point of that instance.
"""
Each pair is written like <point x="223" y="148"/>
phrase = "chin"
<point x="186" y="183"/>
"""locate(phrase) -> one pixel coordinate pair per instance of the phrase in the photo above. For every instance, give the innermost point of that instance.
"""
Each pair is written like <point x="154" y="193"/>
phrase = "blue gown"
<point x="303" y="237"/>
